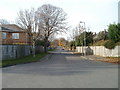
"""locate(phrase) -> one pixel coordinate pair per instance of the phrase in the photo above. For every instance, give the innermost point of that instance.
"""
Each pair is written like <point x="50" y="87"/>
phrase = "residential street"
<point x="61" y="69"/>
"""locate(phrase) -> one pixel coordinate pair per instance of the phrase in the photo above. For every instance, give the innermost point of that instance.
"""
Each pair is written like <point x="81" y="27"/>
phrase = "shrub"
<point x="118" y="43"/>
<point x="114" y="32"/>
<point x="110" y="44"/>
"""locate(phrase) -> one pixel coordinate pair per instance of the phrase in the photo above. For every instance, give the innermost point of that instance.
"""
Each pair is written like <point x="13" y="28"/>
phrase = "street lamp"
<point x="84" y="36"/>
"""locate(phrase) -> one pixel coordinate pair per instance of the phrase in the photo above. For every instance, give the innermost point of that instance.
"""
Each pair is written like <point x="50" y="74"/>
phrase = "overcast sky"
<point x="97" y="14"/>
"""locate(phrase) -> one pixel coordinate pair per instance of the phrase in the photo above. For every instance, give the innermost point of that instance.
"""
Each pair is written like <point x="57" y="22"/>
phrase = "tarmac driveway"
<point x="61" y="69"/>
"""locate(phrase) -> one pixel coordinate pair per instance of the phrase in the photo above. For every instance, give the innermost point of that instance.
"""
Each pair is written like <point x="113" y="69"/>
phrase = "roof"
<point x="11" y="28"/>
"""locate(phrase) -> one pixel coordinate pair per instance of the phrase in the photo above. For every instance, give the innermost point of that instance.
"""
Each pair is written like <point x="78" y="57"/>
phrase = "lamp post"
<point x="84" y="36"/>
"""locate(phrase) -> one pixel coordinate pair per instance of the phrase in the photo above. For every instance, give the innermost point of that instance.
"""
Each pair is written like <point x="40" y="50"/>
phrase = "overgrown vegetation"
<point x="118" y="43"/>
<point x="114" y="36"/>
<point x="71" y="44"/>
<point x="114" y="32"/>
<point x="108" y="38"/>
<point x="22" y="60"/>
<point x="79" y="40"/>
<point x="110" y="44"/>
<point x="102" y="35"/>
<point x="87" y="39"/>
<point x="99" y="43"/>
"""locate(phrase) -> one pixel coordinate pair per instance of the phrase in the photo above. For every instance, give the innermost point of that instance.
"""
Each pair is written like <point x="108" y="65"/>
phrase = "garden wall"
<point x="100" y="50"/>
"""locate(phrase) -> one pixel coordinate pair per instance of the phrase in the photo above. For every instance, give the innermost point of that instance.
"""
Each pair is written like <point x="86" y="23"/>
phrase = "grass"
<point x="51" y="49"/>
<point x="26" y="59"/>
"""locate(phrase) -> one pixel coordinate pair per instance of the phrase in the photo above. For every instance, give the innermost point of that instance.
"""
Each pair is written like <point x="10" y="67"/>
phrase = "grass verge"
<point x="51" y="49"/>
<point x="26" y="59"/>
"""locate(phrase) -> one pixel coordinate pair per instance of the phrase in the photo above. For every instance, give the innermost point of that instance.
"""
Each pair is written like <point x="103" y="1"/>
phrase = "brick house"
<point x="12" y="34"/>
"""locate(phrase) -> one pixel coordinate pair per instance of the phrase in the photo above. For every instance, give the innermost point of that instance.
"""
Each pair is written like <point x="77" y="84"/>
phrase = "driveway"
<point x="61" y="69"/>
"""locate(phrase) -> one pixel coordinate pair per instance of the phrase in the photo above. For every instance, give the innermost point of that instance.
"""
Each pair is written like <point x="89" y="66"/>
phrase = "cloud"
<point x="96" y="13"/>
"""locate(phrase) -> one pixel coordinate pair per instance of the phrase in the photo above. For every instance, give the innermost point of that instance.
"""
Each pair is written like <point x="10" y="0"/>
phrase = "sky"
<point x="97" y="14"/>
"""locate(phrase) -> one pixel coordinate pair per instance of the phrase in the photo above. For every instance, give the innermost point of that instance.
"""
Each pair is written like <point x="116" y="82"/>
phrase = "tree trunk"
<point x="33" y="49"/>
<point x="45" y="45"/>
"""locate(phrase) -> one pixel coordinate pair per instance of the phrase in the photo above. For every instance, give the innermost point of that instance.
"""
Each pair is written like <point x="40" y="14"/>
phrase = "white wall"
<point x="102" y="51"/>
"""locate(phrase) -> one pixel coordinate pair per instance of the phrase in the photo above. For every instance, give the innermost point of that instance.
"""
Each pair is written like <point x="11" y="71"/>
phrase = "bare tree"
<point x="51" y="20"/>
<point x="4" y="21"/>
<point x="28" y="20"/>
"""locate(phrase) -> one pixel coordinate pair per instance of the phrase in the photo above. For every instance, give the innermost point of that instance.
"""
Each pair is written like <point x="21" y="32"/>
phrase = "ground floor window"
<point x="15" y="35"/>
<point x="4" y="35"/>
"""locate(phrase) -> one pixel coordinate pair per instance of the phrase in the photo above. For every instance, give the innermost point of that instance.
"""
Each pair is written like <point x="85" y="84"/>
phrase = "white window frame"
<point x="15" y="36"/>
<point x="4" y="35"/>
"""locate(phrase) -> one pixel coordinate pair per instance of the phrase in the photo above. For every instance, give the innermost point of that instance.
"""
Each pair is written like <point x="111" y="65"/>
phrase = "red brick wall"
<point x="22" y="38"/>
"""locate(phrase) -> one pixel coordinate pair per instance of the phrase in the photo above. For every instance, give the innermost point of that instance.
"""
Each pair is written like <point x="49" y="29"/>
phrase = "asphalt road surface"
<point x="61" y="69"/>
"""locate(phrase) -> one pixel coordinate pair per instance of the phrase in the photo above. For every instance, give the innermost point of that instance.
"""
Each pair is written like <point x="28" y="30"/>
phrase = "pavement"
<point x="102" y="59"/>
<point x="61" y="69"/>
<point x="93" y="57"/>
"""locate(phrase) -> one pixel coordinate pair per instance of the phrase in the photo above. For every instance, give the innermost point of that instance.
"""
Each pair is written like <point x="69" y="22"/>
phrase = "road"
<point x="61" y="69"/>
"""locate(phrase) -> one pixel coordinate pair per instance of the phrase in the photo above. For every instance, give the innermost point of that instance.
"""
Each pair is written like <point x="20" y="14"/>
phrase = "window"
<point x="15" y="35"/>
<point x="4" y="35"/>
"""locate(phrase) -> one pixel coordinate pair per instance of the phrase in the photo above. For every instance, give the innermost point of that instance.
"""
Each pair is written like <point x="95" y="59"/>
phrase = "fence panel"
<point x="17" y="51"/>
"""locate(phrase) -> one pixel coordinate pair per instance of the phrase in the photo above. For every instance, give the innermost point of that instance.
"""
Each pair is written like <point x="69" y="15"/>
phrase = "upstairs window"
<point x="4" y="35"/>
<point x="15" y="35"/>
